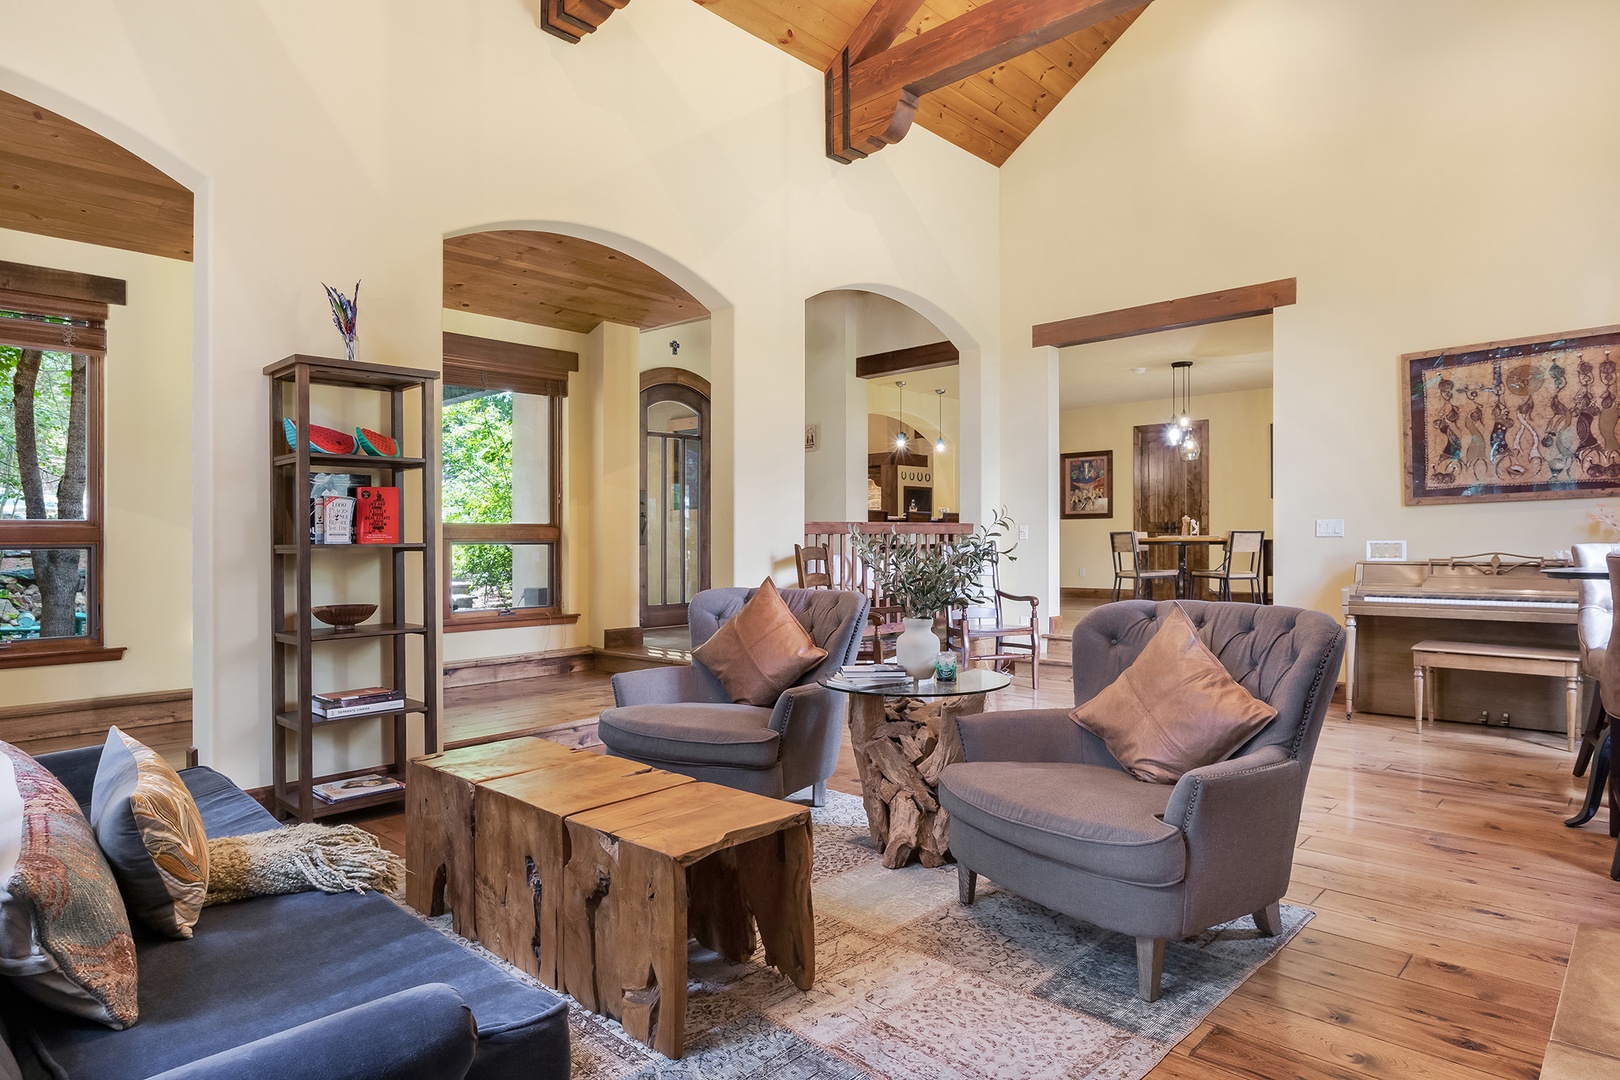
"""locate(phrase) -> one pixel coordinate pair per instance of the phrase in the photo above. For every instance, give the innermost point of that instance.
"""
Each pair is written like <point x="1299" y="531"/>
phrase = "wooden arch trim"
<point x="674" y="376"/>
<point x="1212" y="307"/>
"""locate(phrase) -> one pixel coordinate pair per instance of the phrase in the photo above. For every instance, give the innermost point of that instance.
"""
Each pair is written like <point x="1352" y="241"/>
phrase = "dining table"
<point x="1182" y="543"/>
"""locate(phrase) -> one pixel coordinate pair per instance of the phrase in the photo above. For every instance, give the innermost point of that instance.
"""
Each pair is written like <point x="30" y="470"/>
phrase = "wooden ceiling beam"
<point x="1213" y="307"/>
<point x="872" y="96"/>
<point x="936" y="354"/>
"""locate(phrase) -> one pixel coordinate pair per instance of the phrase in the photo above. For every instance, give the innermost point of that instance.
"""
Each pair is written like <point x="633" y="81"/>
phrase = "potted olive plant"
<point x="926" y="579"/>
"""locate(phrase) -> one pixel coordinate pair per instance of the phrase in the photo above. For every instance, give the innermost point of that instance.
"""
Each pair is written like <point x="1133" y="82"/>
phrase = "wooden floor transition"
<point x="1445" y="885"/>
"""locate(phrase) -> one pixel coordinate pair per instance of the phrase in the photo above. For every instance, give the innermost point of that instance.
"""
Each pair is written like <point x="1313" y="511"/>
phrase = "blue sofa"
<point x="335" y="987"/>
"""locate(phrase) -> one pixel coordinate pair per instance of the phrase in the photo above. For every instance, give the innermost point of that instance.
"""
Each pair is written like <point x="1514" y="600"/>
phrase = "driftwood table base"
<point x="901" y="745"/>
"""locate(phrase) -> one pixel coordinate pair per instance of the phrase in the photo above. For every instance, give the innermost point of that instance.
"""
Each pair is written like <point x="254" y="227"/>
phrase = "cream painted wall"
<point x="1445" y="183"/>
<point x="693" y="354"/>
<point x="1239" y="464"/>
<point x="342" y="142"/>
<point x="146" y="604"/>
<point x="577" y="477"/>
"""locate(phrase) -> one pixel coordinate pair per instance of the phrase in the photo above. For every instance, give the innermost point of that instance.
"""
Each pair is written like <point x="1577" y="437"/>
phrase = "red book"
<point x="376" y="515"/>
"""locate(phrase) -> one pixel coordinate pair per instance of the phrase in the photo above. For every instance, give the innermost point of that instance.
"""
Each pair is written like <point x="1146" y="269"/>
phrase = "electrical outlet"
<point x="1329" y="526"/>
<point x="1023" y="532"/>
<point x="1082" y="571"/>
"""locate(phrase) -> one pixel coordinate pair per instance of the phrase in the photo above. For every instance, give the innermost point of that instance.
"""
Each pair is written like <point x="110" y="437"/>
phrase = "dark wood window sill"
<point x="21" y="656"/>
<point x="490" y="620"/>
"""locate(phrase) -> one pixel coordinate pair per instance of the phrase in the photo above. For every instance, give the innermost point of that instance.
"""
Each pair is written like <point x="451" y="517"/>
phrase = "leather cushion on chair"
<point x="760" y="651"/>
<point x="696" y="733"/>
<point x="1174" y="708"/>
<point x="1092" y="817"/>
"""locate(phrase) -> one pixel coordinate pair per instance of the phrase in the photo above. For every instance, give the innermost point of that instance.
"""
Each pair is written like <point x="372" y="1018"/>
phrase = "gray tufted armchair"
<point x="1041" y="807"/>
<point x="682" y="719"/>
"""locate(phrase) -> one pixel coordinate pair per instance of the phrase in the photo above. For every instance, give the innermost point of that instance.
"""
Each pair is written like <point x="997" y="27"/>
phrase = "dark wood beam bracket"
<point x="873" y="86"/>
<point x="1212" y="307"/>
<point x="917" y="358"/>
<point x="571" y="20"/>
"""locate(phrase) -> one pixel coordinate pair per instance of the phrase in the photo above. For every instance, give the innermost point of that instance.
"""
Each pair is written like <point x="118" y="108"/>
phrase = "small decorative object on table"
<point x="345" y="314"/>
<point x="343" y="618"/>
<point x="945" y="667"/>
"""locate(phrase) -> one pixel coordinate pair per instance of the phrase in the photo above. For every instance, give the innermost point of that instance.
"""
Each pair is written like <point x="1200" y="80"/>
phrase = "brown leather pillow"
<point x="1174" y="709"/>
<point x="760" y="651"/>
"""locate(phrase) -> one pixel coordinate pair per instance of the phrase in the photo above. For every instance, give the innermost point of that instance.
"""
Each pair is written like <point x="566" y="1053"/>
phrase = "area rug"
<point x="910" y="984"/>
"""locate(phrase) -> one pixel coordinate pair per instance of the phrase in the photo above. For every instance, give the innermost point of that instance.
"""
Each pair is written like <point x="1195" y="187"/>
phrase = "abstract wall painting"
<point x="1532" y="418"/>
<point x="1086" y="484"/>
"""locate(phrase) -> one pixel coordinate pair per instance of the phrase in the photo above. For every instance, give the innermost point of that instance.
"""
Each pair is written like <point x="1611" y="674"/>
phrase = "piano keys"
<point x="1495" y="599"/>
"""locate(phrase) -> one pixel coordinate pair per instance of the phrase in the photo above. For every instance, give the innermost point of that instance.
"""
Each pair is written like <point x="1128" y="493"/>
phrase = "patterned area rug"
<point x="911" y="984"/>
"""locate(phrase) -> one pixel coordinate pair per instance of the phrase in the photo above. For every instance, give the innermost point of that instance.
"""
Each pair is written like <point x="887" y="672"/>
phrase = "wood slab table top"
<point x="566" y="787"/>
<point x="688" y="824"/>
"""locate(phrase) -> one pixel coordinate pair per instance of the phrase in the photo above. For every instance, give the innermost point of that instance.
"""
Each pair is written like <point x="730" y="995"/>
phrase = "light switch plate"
<point x="1386" y="551"/>
<point x="1023" y="532"/>
<point x="1329" y="526"/>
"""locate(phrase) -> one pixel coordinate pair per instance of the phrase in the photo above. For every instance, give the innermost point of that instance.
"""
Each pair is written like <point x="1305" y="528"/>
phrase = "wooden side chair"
<point x="1130" y="564"/>
<point x="815" y="572"/>
<point x="1014" y="641"/>
<point x="1242" y="563"/>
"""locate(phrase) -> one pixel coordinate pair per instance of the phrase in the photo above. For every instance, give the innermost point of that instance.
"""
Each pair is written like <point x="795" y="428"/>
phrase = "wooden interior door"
<point x="674" y="501"/>
<point x="1166" y="488"/>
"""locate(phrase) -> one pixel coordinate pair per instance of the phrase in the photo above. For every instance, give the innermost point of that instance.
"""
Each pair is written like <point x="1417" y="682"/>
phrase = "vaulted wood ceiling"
<point x="989" y="114"/>
<point x="58" y="178"/>
<point x="560" y="281"/>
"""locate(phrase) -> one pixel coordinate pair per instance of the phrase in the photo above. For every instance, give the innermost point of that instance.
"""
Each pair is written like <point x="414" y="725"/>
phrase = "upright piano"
<point x="1493" y="599"/>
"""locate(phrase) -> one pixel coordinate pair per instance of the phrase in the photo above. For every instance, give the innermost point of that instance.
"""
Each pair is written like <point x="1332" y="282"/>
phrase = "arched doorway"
<point x="674" y="495"/>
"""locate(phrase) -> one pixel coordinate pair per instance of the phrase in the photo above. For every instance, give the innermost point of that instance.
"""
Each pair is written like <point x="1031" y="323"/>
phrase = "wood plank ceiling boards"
<point x="60" y="179"/>
<point x="988" y="106"/>
<point x="560" y="281"/>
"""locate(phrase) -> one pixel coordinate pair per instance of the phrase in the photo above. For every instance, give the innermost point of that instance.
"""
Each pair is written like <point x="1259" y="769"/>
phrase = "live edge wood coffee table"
<point x="592" y="872"/>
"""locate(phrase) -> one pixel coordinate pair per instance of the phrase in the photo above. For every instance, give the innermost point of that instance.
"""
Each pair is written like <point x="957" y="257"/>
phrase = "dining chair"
<point x="804" y="559"/>
<point x="1130" y="564"/>
<point x="1013" y="641"/>
<point x="1242" y="563"/>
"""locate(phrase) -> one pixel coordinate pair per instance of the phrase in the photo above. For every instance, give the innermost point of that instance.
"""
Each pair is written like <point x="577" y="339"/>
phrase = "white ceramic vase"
<point x="917" y="647"/>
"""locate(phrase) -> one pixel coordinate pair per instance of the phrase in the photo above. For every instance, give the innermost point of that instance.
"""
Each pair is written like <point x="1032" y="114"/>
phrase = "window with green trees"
<point x="51" y="544"/>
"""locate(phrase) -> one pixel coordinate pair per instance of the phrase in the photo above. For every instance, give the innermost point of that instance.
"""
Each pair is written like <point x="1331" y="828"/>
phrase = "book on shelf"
<point x="376" y="515"/>
<point x="364" y="695"/>
<point x="356" y="787"/>
<point x="338" y="712"/>
<point x="323" y="485"/>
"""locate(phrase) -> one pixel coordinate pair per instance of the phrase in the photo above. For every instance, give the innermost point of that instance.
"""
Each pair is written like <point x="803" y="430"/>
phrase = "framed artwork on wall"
<point x="1531" y="418"/>
<point x="1086" y="484"/>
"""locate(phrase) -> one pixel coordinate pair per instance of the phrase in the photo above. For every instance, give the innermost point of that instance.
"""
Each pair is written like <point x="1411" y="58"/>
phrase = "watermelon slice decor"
<point x="322" y="440"/>
<point x="374" y="443"/>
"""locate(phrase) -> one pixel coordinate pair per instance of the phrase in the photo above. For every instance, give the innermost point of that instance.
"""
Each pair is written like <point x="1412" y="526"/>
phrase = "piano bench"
<point x="1514" y="659"/>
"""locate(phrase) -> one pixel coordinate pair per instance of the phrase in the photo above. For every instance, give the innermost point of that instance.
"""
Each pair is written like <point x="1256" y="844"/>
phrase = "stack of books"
<point x="356" y="787"/>
<point x="337" y="704"/>
<point x="875" y="676"/>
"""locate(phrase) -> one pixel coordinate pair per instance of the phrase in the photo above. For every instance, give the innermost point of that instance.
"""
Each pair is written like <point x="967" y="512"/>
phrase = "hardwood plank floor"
<point x="1447" y="891"/>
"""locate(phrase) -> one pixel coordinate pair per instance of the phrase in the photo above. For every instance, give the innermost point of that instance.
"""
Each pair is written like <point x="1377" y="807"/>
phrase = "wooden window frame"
<point x="84" y="299"/>
<point x="461" y="374"/>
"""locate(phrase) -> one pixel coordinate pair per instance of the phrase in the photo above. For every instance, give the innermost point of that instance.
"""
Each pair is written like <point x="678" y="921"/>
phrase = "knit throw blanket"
<point x="298" y="858"/>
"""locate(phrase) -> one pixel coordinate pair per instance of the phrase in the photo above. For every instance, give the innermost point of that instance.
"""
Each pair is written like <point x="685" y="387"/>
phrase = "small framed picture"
<point x="812" y="438"/>
<point x="1086" y="484"/>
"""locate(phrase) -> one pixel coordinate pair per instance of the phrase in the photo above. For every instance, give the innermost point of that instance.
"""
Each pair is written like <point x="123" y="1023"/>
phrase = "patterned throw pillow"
<point x="64" y="936"/>
<point x="152" y="833"/>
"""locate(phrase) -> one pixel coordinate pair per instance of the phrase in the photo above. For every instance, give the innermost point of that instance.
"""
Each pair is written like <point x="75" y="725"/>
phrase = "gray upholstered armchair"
<point x="1042" y="808"/>
<point x="682" y="719"/>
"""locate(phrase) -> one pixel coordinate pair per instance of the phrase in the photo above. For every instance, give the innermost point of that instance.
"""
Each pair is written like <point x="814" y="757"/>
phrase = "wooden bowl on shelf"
<point x="343" y="618"/>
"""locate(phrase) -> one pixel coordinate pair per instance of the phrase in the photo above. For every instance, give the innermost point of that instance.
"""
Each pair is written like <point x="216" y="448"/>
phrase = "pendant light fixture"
<point x="1188" y="441"/>
<point x="1175" y="429"/>
<point x="939" y="443"/>
<point x="900" y="410"/>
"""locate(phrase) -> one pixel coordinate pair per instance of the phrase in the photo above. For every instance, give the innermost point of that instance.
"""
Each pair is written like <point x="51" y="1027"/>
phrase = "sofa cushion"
<point x="152" y="834"/>
<point x="1091" y="817"/>
<point x="262" y="966"/>
<point x="1175" y="708"/>
<point x="64" y="936"/>
<point x="760" y="651"/>
<point x="694" y="733"/>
